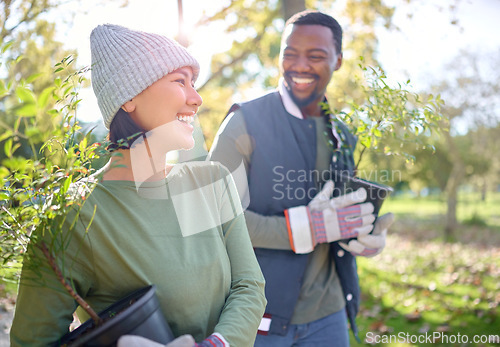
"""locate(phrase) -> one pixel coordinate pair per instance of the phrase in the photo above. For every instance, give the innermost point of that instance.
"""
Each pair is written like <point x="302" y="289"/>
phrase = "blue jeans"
<point x="330" y="331"/>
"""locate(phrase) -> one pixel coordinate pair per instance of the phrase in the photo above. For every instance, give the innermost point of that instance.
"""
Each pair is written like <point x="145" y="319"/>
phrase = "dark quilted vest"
<point x="285" y="151"/>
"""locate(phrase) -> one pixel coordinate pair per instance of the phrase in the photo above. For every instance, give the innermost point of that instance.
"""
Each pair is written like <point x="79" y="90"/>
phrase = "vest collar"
<point x="294" y="110"/>
<point x="290" y="106"/>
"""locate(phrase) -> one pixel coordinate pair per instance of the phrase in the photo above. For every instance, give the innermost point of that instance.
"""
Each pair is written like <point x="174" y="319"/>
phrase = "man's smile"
<point x="300" y="82"/>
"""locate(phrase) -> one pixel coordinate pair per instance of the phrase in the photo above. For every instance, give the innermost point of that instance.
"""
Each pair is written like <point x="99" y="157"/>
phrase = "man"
<point x="311" y="279"/>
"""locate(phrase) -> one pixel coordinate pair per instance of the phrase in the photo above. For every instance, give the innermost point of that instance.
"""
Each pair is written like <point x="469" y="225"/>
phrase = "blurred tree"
<point x="35" y="51"/>
<point x="487" y="164"/>
<point x="29" y="60"/>
<point x="471" y="93"/>
<point x="252" y="61"/>
<point x="290" y="7"/>
<point x="251" y="64"/>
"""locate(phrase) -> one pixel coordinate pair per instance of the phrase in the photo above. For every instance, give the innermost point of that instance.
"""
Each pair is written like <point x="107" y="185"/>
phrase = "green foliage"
<point x="388" y="115"/>
<point x="257" y="37"/>
<point x="40" y="192"/>
<point x="420" y="283"/>
<point x="27" y="63"/>
<point x="251" y="62"/>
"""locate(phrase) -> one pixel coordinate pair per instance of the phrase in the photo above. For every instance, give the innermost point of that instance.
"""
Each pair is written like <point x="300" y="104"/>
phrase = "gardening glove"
<point x="326" y="220"/>
<point x="372" y="244"/>
<point x="139" y="341"/>
<point x="214" y="340"/>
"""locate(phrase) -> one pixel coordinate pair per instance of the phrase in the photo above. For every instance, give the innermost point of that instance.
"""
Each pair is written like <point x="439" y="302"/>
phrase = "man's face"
<point x="307" y="61"/>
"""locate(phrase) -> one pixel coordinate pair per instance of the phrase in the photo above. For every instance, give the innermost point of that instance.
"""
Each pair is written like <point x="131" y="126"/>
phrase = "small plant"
<point x="45" y="191"/>
<point x="389" y="118"/>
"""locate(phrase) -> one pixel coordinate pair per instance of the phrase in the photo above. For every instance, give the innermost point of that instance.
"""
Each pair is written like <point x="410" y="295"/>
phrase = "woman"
<point x="179" y="227"/>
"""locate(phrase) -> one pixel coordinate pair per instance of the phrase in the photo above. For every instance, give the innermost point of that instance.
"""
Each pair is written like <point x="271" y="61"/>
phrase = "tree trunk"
<point x="456" y="176"/>
<point x="290" y="7"/>
<point x="452" y="199"/>
<point x="484" y="189"/>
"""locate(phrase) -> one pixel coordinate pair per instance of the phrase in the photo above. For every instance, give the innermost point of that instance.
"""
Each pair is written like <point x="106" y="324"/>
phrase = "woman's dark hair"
<point x="310" y="17"/>
<point x="123" y="131"/>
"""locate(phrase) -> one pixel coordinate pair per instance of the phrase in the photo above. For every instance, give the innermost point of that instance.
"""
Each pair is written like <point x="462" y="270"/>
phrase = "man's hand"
<point x="327" y="220"/>
<point x="372" y="244"/>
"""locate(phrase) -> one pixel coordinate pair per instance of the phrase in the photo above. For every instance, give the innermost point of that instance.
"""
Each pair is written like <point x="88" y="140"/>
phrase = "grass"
<point x="422" y="287"/>
<point x="470" y="206"/>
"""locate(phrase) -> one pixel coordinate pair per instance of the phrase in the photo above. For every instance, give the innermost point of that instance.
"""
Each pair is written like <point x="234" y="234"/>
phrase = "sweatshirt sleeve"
<point x="245" y="305"/>
<point x="42" y="316"/>
<point x="233" y="148"/>
<point x="44" y="310"/>
<point x="267" y="231"/>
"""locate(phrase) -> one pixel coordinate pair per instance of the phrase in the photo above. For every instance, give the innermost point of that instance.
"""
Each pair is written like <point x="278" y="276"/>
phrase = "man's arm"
<point x="233" y="148"/>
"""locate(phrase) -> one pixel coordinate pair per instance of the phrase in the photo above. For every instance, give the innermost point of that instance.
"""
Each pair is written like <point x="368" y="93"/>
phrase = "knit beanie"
<point x="125" y="62"/>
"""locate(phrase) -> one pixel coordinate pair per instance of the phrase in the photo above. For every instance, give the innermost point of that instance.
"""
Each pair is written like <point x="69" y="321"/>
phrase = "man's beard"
<point x="304" y="101"/>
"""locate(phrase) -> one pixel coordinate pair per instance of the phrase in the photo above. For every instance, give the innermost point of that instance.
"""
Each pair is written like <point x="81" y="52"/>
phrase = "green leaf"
<point x="6" y="134"/>
<point x="17" y="124"/>
<point x="65" y="93"/>
<point x="366" y="142"/>
<point x="3" y="89"/>
<point x="7" y="45"/>
<point x="25" y="95"/>
<point x="15" y="146"/>
<point x="28" y="110"/>
<point x="31" y="132"/>
<point x="83" y="144"/>
<point x="67" y="182"/>
<point x="7" y="147"/>
<point x="4" y="172"/>
<point x="33" y="77"/>
<point x="43" y="98"/>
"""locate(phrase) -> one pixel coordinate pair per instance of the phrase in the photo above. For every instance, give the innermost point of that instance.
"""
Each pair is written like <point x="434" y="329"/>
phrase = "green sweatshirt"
<point x="185" y="234"/>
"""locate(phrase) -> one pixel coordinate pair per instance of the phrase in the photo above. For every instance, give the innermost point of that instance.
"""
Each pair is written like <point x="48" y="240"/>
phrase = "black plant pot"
<point x="376" y="192"/>
<point x="137" y="314"/>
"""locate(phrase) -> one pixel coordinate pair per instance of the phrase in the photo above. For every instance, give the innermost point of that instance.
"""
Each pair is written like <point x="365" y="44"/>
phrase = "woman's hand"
<point x="139" y="341"/>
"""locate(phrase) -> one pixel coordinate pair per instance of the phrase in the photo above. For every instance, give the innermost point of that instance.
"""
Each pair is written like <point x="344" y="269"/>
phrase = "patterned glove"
<point x="372" y="244"/>
<point x="214" y="340"/>
<point x="327" y="220"/>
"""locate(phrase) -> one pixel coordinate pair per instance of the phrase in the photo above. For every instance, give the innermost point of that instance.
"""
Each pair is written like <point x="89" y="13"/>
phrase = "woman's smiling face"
<point x="170" y="103"/>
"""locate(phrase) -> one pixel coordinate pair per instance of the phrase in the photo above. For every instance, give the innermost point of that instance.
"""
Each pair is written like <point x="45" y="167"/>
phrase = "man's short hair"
<point x="310" y="17"/>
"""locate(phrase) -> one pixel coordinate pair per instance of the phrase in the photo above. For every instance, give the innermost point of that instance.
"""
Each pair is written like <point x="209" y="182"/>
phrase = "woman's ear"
<point x="129" y="106"/>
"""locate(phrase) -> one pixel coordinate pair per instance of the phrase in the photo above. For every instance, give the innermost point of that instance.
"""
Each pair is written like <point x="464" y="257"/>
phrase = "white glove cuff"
<point x="299" y="229"/>
<point x="222" y="339"/>
<point x="331" y="225"/>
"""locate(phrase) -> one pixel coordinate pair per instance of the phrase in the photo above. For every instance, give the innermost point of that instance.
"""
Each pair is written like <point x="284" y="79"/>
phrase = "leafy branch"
<point x="389" y="114"/>
<point x="41" y="197"/>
